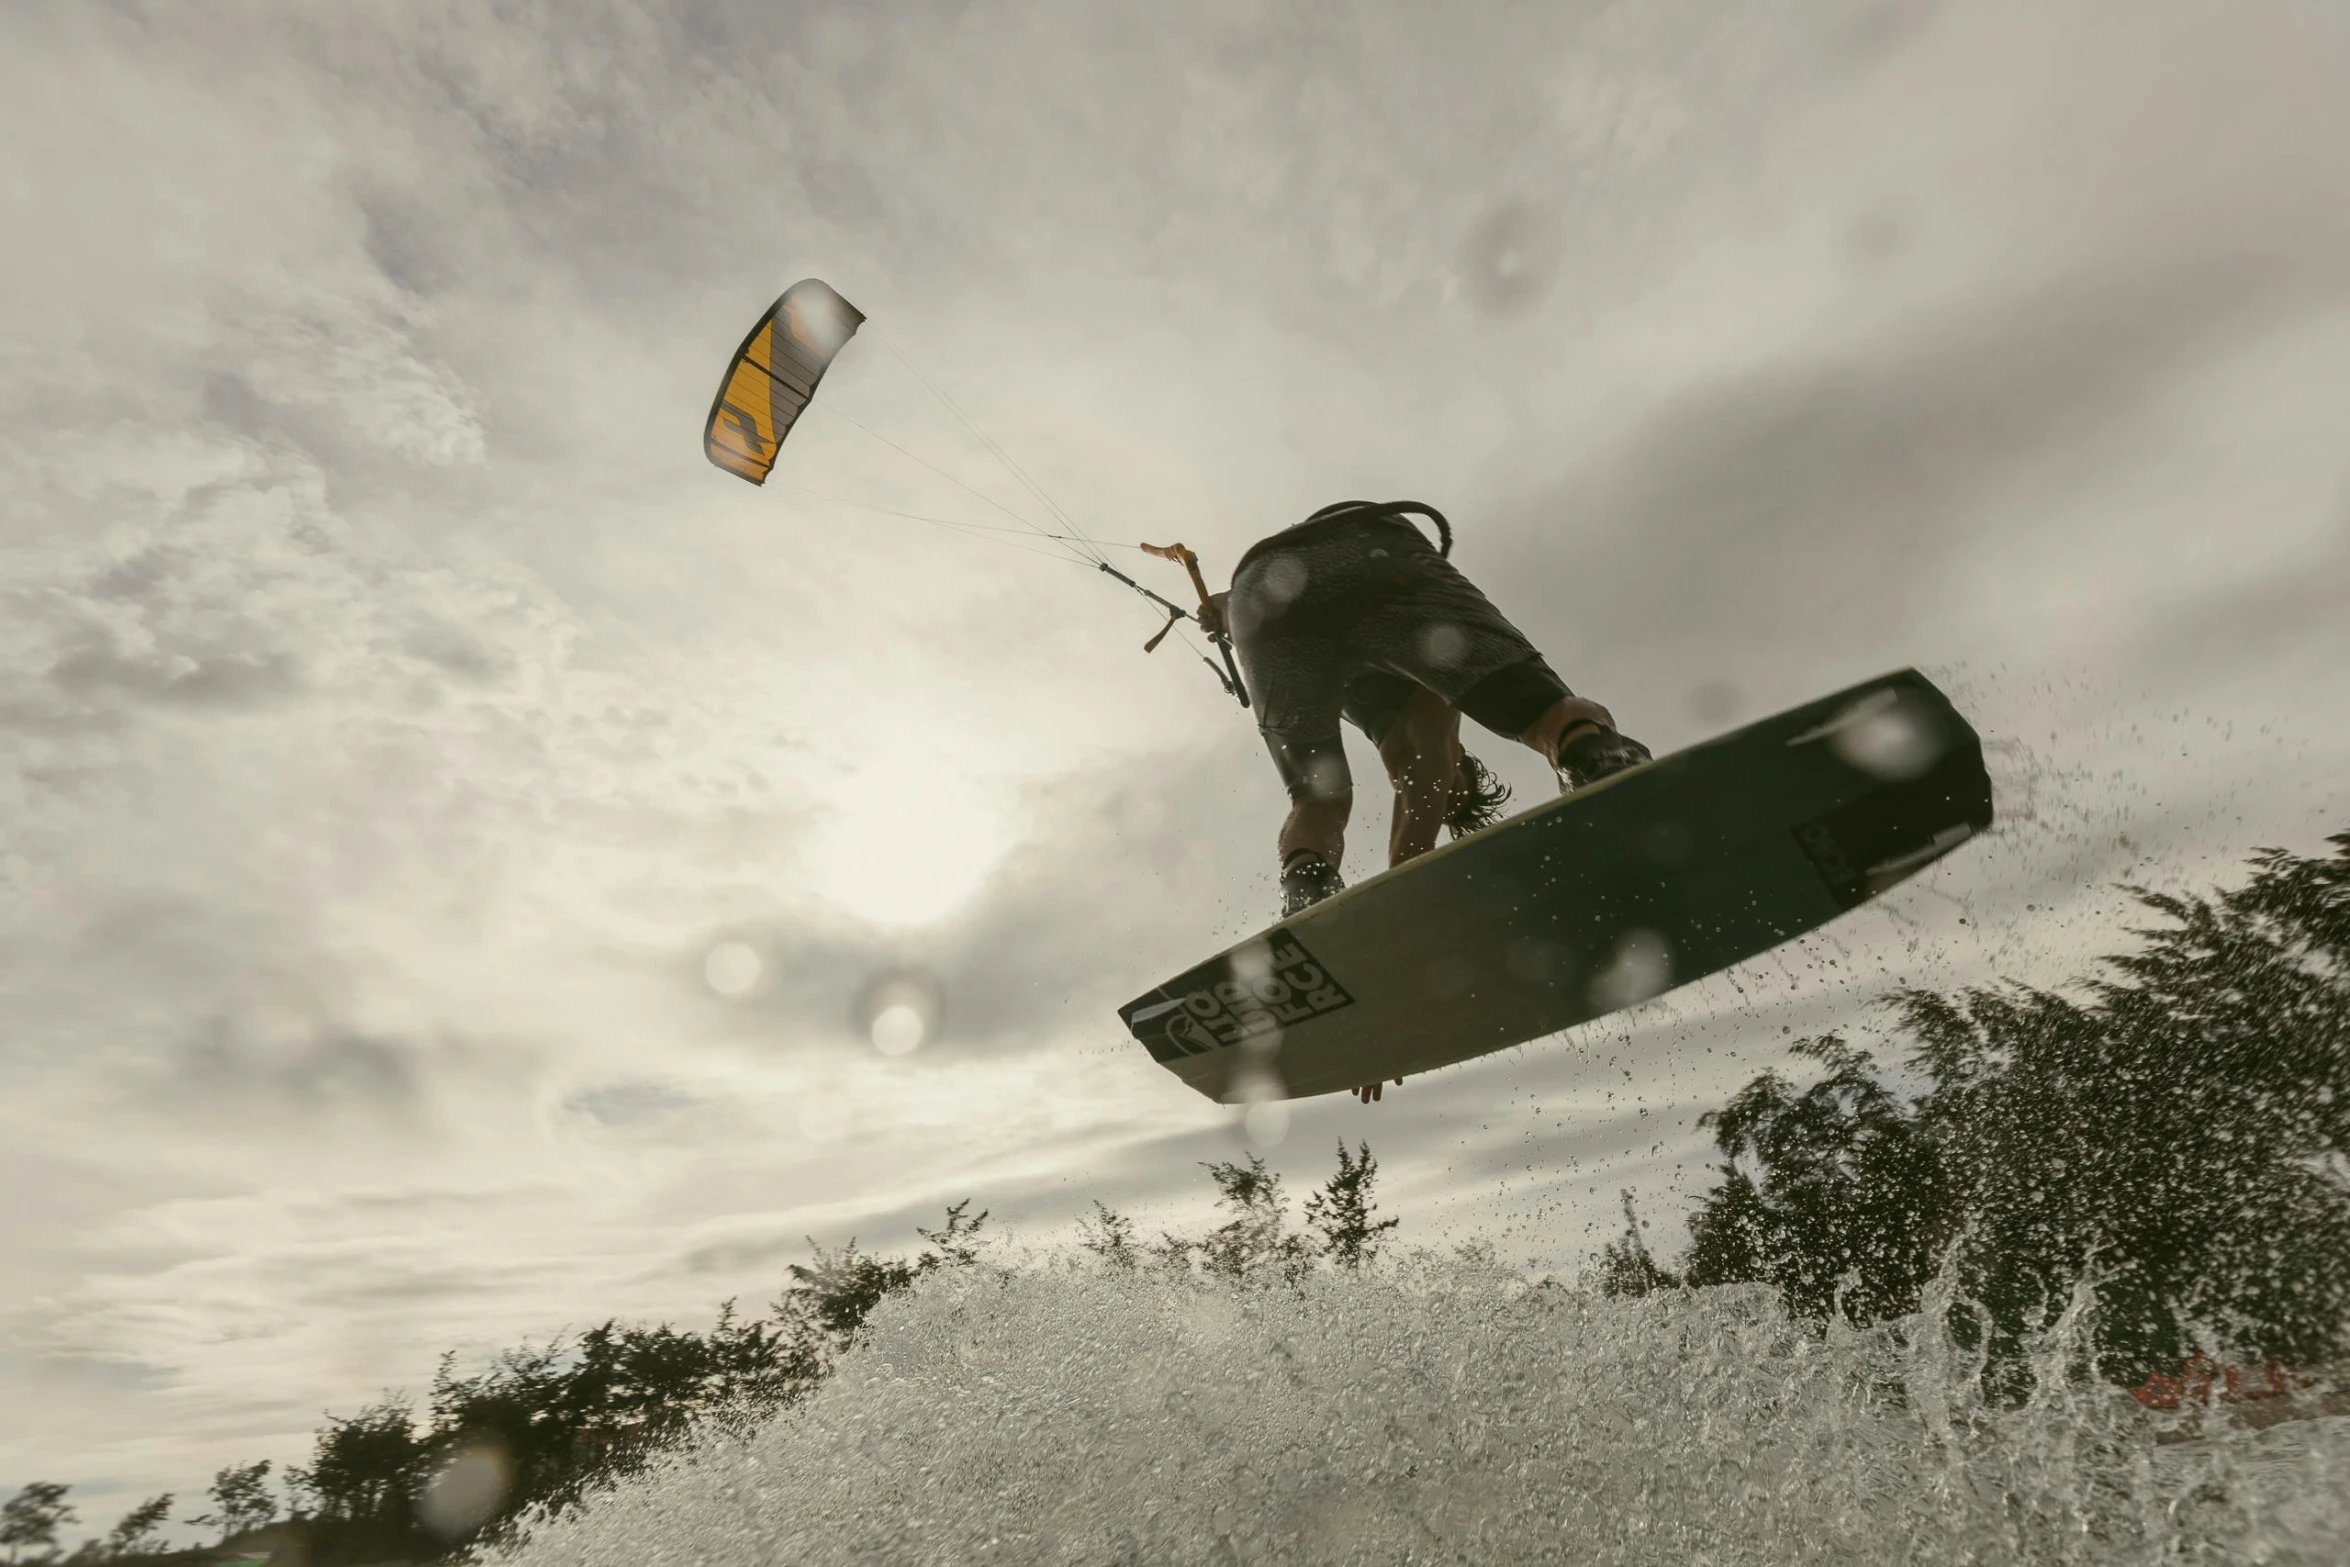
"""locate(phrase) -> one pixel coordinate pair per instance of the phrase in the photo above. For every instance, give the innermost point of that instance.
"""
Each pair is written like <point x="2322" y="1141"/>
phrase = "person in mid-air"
<point x="1352" y="614"/>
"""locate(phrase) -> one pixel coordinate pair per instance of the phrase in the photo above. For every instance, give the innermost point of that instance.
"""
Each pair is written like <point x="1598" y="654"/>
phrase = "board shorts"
<point x="1344" y="619"/>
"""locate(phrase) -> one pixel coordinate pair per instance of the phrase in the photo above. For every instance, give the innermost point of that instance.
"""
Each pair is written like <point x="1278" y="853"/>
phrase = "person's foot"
<point x="1306" y="879"/>
<point x="1594" y="753"/>
<point x="1369" y="1092"/>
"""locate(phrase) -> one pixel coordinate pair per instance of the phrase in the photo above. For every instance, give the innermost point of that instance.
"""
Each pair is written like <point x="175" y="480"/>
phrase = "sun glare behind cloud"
<point x="907" y="839"/>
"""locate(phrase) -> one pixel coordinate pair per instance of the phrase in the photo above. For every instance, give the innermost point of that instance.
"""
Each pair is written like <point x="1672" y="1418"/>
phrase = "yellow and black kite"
<point x="774" y="374"/>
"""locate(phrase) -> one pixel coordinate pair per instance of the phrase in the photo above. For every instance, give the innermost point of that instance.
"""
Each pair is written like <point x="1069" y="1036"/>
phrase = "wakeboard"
<point x="1585" y="905"/>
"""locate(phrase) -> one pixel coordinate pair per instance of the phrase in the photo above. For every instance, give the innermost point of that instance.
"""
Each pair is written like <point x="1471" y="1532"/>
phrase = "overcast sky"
<point x="446" y="827"/>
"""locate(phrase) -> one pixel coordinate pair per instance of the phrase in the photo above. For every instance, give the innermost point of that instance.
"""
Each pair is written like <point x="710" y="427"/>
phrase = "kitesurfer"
<point x="1354" y="614"/>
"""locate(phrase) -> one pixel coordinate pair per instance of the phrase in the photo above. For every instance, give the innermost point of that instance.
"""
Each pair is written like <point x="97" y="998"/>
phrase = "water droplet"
<point x="898" y="1030"/>
<point x="732" y="968"/>
<point x="1642" y="967"/>
<point x="1284" y="578"/>
<point x="1894" y="742"/>
<point x="1266" y="1123"/>
<point x="1257" y="1084"/>
<point x="899" y="1011"/>
<point x="1444" y="645"/>
<point x="1326" y="775"/>
<point x="465" y="1492"/>
<point x="1510" y="259"/>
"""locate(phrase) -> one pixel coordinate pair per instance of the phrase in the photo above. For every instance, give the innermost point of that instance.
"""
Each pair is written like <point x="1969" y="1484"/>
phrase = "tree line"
<point x="543" y="1426"/>
<point x="2174" y="1128"/>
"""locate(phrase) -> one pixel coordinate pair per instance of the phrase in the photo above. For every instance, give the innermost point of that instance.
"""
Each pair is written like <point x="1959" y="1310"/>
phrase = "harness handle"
<point x="1230" y="673"/>
<point x="1392" y="508"/>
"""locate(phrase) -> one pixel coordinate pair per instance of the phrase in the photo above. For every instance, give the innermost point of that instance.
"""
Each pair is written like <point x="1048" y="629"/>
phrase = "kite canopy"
<point x="774" y="374"/>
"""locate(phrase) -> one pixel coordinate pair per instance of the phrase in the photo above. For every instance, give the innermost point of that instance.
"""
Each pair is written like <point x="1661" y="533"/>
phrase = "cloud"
<point x="464" y="654"/>
<point x="303" y="1070"/>
<point x="630" y="1105"/>
<point x="230" y="682"/>
<point x="1838" y="495"/>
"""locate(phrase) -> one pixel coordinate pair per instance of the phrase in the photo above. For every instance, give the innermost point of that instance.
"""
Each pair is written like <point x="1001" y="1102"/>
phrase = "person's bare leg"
<point x="1318" y="822"/>
<point x="1422" y="750"/>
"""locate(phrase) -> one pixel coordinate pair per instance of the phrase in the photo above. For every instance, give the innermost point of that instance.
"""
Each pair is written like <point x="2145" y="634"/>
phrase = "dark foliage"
<point x="240" y="1499"/>
<point x="1340" y="1213"/>
<point x="135" y="1534"/>
<point x="1257" y="1236"/>
<point x="32" y="1517"/>
<point x="1854" y="1190"/>
<point x="827" y="1302"/>
<point x="1109" y="1235"/>
<point x="564" y="1418"/>
<point x="2180" y="1131"/>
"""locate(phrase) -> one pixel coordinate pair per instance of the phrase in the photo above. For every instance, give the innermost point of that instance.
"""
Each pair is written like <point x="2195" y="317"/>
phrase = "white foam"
<point x="1442" y="1411"/>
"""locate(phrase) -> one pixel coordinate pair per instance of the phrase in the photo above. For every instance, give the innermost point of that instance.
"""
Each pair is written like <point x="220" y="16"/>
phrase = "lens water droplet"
<point x="898" y="1030"/>
<point x="1266" y="1123"/>
<point x="900" y="1010"/>
<point x="731" y="969"/>
<point x="1642" y="967"/>
<point x="466" y="1491"/>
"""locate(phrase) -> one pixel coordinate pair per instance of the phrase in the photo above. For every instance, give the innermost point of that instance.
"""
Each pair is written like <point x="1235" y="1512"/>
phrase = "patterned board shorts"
<point x="1346" y="619"/>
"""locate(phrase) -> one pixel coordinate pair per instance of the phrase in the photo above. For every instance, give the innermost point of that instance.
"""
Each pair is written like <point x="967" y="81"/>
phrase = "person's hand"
<point x="1212" y="616"/>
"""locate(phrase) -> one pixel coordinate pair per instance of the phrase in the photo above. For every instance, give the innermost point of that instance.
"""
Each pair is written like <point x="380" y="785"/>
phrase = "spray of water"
<point x="1445" y="1411"/>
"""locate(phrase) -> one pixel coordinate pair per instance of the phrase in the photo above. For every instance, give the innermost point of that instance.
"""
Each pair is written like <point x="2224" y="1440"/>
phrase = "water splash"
<point x="1443" y="1410"/>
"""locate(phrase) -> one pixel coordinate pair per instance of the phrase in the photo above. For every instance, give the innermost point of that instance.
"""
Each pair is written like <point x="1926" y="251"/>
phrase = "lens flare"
<point x="1266" y="1123"/>
<point x="1642" y="967"/>
<point x="1257" y="1087"/>
<point x="1252" y="966"/>
<point x="1444" y="645"/>
<point x="1509" y="260"/>
<point x="898" y="1030"/>
<point x="731" y="969"/>
<point x="900" y="1011"/>
<point x="1284" y="578"/>
<point x="466" y="1491"/>
<point x="1894" y="742"/>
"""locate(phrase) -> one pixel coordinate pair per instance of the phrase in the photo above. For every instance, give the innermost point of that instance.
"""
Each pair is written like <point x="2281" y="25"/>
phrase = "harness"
<point x="1388" y="509"/>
